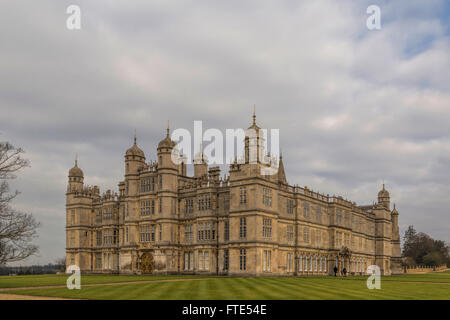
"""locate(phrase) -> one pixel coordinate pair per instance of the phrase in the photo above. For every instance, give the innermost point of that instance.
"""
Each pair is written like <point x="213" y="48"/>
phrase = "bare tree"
<point x="17" y="229"/>
<point x="61" y="263"/>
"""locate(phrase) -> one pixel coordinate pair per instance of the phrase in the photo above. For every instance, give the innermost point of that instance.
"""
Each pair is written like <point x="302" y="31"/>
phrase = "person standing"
<point x="335" y="271"/>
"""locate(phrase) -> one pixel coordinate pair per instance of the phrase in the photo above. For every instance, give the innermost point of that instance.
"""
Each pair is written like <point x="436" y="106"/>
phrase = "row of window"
<point x="148" y="184"/>
<point x="204" y="202"/>
<point x="147" y="233"/>
<point x="206" y="231"/>
<point x="147" y="207"/>
<point x="312" y="263"/>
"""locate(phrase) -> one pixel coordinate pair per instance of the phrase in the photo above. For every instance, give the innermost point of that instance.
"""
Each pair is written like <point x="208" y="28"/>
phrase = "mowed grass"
<point x="434" y="286"/>
<point x="55" y="280"/>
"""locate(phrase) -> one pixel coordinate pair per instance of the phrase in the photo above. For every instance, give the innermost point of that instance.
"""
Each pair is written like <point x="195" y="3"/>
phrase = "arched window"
<point x="320" y="264"/>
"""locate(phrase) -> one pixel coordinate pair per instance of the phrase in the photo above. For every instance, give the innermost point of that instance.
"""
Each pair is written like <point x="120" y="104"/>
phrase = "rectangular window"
<point x="242" y="228"/>
<point x="200" y="260"/>
<point x="300" y="263"/>
<point x="206" y="257"/>
<point x="267" y="228"/>
<point x="267" y="197"/>
<point x="306" y="235"/>
<point x="98" y="260"/>
<point x="188" y="233"/>
<point x="153" y="233"/>
<point x="99" y="238"/>
<point x="226" y="259"/>
<point x="145" y="233"/>
<point x="290" y="206"/>
<point x="319" y="214"/>
<point x="266" y="260"/>
<point x="203" y="260"/>
<point x="290" y="233"/>
<point x="188" y="261"/>
<point x="242" y="259"/>
<point x="189" y="205"/>
<point x="226" y="235"/>
<point x="289" y="262"/>
<point x="243" y="195"/>
<point x="306" y="213"/>
<point x="115" y="236"/>
<point x="338" y="217"/>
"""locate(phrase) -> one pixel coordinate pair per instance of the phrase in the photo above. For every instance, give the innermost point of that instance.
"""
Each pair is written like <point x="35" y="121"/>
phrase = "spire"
<point x="281" y="173"/>
<point x="134" y="136"/>
<point x="168" y="127"/>
<point x="76" y="159"/>
<point x="254" y="114"/>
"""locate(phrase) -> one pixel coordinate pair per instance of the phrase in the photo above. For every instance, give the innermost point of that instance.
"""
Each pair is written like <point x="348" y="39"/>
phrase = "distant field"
<point x="421" y="286"/>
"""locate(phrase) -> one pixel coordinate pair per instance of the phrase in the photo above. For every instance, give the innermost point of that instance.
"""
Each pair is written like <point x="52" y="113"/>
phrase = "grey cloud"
<point x="354" y="106"/>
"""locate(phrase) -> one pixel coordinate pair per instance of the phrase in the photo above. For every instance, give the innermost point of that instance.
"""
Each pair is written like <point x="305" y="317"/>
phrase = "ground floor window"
<point x="226" y="259"/>
<point x="242" y="259"/>
<point x="98" y="260"/>
<point x="300" y="263"/>
<point x="188" y="261"/>
<point x="266" y="260"/>
<point x="203" y="260"/>
<point x="289" y="262"/>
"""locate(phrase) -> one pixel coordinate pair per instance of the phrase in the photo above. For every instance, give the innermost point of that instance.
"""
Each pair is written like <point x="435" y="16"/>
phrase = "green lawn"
<point x="425" y="286"/>
<point x="54" y="280"/>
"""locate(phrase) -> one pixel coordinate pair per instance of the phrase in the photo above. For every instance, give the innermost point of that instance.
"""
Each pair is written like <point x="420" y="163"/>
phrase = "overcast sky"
<point x="353" y="106"/>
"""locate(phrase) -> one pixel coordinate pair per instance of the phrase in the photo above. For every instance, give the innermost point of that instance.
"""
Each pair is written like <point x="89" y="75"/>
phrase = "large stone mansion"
<point x="163" y="221"/>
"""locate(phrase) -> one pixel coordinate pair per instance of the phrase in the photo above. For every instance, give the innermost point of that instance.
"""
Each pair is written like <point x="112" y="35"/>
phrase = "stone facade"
<point x="165" y="222"/>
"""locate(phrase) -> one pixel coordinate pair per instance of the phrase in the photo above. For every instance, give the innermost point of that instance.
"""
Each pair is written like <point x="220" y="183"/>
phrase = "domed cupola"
<point x="135" y="151"/>
<point x="76" y="178"/>
<point x="166" y="142"/>
<point x="76" y="172"/>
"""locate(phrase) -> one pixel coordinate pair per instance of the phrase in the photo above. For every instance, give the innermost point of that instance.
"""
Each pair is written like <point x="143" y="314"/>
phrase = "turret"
<point x="384" y="198"/>
<point x="134" y="159"/>
<point x="394" y="218"/>
<point x="76" y="178"/>
<point x="168" y="171"/>
<point x="281" y="173"/>
<point x="200" y="164"/>
<point x="254" y="144"/>
<point x="165" y="148"/>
